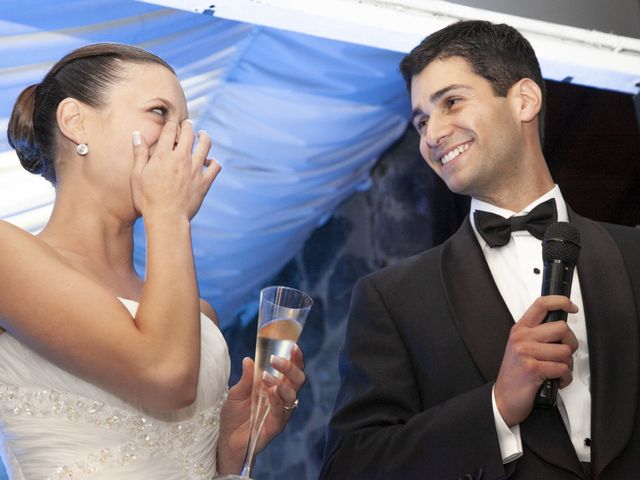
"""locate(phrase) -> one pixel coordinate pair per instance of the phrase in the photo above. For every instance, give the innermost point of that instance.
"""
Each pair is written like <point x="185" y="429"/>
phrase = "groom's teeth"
<point x="454" y="153"/>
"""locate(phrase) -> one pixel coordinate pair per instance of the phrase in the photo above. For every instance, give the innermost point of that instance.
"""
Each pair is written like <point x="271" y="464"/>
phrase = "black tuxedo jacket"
<point x="423" y="347"/>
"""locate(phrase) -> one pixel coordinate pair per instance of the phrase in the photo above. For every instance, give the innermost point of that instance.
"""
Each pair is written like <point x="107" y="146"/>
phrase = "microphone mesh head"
<point x="561" y="242"/>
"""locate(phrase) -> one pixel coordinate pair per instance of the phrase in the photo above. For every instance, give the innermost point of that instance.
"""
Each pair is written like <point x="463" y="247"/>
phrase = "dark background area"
<point x="592" y="147"/>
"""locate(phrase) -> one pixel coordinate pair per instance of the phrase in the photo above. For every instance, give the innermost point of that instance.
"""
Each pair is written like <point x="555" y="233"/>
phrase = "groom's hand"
<point x="535" y="352"/>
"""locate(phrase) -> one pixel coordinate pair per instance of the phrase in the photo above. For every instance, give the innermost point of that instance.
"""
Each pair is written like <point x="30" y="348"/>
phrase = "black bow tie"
<point x="496" y="230"/>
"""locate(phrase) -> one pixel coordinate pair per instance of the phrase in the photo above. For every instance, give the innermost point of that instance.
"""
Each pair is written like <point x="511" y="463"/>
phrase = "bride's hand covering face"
<point x="172" y="181"/>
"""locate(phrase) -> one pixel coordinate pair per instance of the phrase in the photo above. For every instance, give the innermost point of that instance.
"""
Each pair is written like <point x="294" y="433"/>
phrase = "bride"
<point x="103" y="374"/>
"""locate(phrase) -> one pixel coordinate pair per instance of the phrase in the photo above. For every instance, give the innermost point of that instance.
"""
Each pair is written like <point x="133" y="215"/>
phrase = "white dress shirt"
<point x="517" y="270"/>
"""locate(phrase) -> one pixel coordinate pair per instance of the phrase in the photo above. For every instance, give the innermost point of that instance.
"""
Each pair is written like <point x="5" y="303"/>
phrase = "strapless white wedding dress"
<point x="54" y="425"/>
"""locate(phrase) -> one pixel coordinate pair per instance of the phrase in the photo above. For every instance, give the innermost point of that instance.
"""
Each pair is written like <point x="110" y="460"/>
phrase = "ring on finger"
<point x="289" y="410"/>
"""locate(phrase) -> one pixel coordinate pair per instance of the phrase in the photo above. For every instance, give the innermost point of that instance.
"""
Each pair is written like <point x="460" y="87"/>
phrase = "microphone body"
<point x="560" y="249"/>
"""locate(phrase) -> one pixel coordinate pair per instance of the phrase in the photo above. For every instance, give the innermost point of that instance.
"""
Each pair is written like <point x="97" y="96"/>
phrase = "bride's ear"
<point x="71" y="117"/>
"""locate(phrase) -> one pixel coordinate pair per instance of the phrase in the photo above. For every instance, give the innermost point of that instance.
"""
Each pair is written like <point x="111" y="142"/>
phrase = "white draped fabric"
<point x="297" y="123"/>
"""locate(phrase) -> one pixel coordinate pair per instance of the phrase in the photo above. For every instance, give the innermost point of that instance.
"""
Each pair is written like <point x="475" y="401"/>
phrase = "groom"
<point x="445" y="351"/>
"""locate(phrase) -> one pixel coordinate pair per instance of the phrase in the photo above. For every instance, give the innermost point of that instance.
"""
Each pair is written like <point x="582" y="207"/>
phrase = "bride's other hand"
<point x="236" y="412"/>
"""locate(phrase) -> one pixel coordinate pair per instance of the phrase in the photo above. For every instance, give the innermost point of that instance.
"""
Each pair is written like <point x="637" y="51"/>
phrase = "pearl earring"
<point x="82" y="149"/>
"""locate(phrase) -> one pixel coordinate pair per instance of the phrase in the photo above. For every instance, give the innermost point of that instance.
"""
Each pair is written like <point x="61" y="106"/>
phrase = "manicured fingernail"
<point x="267" y="377"/>
<point x="188" y="120"/>
<point x="277" y="361"/>
<point x="202" y="132"/>
<point x="137" y="138"/>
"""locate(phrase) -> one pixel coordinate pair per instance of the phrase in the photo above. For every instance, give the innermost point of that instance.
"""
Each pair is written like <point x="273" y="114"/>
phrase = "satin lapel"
<point x="472" y="294"/>
<point x="612" y="332"/>
<point x="478" y="309"/>
<point x="545" y="434"/>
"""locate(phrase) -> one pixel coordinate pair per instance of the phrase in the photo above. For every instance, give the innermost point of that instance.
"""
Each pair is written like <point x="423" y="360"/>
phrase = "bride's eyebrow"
<point x="168" y="103"/>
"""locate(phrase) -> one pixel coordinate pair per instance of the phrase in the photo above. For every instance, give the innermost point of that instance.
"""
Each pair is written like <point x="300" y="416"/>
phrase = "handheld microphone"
<point x="560" y="250"/>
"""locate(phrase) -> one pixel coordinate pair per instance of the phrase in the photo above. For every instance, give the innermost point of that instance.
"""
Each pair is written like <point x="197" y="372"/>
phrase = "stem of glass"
<point x="259" y="411"/>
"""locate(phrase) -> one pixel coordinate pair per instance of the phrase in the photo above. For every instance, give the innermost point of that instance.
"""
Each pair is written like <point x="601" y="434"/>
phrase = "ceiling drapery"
<point x="297" y="123"/>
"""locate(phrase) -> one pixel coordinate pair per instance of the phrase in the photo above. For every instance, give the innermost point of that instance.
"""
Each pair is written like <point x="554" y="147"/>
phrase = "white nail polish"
<point x="137" y="138"/>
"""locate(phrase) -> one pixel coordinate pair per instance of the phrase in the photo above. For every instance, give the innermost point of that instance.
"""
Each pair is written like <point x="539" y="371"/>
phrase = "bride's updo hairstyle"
<point x="86" y="74"/>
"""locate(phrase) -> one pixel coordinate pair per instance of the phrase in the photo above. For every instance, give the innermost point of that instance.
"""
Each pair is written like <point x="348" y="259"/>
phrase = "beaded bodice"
<point x="54" y="425"/>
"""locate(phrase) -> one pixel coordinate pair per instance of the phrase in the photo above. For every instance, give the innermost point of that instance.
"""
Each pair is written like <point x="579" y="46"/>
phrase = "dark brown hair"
<point x="86" y="74"/>
<point x="498" y="53"/>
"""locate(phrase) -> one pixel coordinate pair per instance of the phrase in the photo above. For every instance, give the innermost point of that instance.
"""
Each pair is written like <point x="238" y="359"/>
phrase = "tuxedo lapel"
<point x="545" y="434"/>
<point x="612" y="332"/>
<point x="474" y="300"/>
<point x="484" y="322"/>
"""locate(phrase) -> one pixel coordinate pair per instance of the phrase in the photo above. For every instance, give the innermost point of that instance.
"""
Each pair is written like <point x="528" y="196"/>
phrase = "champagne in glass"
<point x="282" y="313"/>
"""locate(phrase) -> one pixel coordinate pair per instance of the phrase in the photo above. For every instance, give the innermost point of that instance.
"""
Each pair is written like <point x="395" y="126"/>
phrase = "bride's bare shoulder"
<point x="10" y="233"/>
<point x="19" y="243"/>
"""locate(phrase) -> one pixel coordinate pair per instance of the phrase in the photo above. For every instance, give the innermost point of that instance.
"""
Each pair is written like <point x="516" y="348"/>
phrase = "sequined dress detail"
<point x="54" y="425"/>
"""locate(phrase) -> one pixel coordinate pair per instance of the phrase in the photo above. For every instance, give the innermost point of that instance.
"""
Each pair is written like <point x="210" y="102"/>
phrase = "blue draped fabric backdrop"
<point x="297" y="122"/>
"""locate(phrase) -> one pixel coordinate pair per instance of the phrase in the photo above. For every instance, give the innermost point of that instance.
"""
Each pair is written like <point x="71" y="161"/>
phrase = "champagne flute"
<point x="281" y="316"/>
